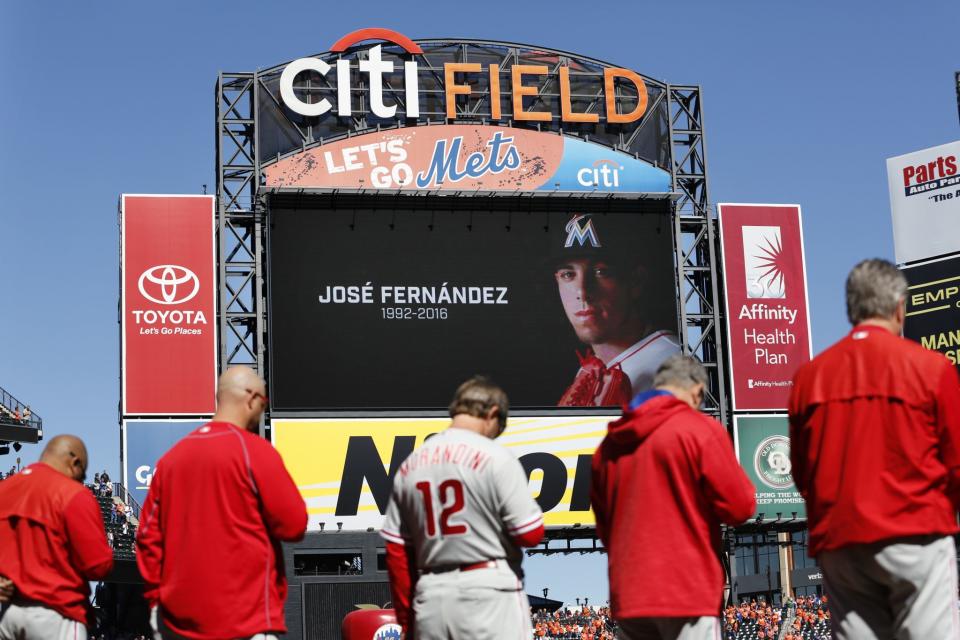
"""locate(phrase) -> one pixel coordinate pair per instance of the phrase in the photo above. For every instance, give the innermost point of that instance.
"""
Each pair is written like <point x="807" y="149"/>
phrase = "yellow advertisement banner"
<point x="343" y="467"/>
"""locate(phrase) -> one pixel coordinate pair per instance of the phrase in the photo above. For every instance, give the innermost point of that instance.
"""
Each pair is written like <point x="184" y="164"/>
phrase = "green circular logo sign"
<point x="772" y="462"/>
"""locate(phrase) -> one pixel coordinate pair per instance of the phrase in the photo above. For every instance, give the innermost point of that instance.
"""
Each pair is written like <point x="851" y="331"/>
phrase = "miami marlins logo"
<point x="581" y="233"/>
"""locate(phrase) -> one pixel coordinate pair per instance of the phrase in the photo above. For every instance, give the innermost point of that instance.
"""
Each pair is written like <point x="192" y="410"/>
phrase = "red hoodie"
<point x="208" y="545"/>
<point x="664" y="479"/>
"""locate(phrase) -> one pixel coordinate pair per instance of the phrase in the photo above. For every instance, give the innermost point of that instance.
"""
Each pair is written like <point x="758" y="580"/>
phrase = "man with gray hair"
<point x="875" y="446"/>
<point x="666" y="477"/>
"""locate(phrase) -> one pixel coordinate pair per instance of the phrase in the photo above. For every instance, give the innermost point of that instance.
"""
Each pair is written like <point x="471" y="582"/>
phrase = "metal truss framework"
<point x="956" y="78"/>
<point x="695" y="230"/>
<point x="241" y="218"/>
<point x="239" y="223"/>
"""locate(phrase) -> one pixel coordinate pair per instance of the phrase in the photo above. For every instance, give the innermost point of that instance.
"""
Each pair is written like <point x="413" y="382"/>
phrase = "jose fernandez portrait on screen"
<point x="614" y="276"/>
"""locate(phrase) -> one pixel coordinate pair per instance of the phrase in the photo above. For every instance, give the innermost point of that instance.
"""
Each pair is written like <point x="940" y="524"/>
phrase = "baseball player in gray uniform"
<point x="458" y="516"/>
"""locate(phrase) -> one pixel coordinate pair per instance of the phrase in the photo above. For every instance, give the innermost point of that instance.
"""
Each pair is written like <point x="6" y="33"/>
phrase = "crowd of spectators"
<point x="751" y="620"/>
<point x="812" y="621"/>
<point x="574" y="623"/>
<point x="101" y="485"/>
<point x="12" y="472"/>
<point x="807" y="618"/>
<point x="118" y="517"/>
<point x="16" y="415"/>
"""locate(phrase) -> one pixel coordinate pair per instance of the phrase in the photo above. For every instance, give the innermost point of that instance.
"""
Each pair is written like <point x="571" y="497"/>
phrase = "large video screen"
<point x="394" y="307"/>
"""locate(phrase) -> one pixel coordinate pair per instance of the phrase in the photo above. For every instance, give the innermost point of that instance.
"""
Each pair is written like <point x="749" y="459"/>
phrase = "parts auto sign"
<point x="519" y="81"/>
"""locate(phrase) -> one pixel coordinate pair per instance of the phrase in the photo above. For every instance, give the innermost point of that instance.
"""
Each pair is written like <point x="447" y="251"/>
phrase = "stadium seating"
<point x="811" y="621"/>
<point x="15" y="413"/>
<point x="123" y="543"/>
<point x="584" y="623"/>
<point x="806" y="619"/>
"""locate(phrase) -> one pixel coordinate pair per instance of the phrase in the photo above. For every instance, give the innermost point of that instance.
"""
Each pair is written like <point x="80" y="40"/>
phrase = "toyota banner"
<point x="168" y="301"/>
<point x="765" y="287"/>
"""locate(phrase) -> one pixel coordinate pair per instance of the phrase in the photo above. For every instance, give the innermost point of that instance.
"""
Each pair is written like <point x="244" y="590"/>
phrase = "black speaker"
<point x="325" y="604"/>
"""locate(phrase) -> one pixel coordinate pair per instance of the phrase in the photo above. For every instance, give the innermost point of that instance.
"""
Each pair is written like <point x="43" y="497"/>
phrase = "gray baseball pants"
<point x="904" y="589"/>
<point x="37" y="622"/>
<point x="484" y="604"/>
<point x="702" y="628"/>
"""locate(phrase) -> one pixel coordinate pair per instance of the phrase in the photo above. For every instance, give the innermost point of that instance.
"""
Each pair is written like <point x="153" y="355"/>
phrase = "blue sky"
<point x="803" y="103"/>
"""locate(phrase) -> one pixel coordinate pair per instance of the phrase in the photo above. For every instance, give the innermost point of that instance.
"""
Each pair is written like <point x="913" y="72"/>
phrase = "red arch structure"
<point x="374" y="33"/>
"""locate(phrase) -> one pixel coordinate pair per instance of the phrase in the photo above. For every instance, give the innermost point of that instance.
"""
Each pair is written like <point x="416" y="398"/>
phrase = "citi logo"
<point x="581" y="234"/>
<point x="603" y="173"/>
<point x="143" y="475"/>
<point x="457" y="79"/>
<point x="168" y="284"/>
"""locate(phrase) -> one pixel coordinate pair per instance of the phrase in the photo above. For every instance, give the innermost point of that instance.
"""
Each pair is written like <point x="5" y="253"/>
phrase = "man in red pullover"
<point x="664" y="478"/>
<point x="52" y="543"/>
<point x="875" y="446"/>
<point x="219" y="504"/>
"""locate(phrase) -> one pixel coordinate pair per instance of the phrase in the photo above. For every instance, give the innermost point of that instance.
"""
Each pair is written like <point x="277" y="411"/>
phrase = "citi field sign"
<point x="381" y="111"/>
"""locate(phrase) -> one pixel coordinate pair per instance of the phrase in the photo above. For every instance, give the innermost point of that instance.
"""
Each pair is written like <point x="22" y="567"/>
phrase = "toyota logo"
<point x="168" y="280"/>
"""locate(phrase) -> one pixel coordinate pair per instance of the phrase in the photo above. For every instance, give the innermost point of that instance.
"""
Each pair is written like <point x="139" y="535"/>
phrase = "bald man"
<point x="52" y="543"/>
<point x="219" y="505"/>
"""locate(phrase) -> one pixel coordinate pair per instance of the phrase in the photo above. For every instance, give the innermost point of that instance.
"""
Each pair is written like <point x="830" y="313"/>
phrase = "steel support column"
<point x="240" y="223"/>
<point x="696" y="244"/>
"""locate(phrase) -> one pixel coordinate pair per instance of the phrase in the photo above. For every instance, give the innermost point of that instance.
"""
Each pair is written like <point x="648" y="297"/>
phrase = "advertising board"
<point x="344" y="467"/>
<point x="933" y="306"/>
<point x="393" y="308"/>
<point x="925" y="202"/>
<point x="168" y="305"/>
<point x="762" y="444"/>
<point x="145" y="442"/>
<point x="765" y="286"/>
<point x="377" y="80"/>
<point x="467" y="158"/>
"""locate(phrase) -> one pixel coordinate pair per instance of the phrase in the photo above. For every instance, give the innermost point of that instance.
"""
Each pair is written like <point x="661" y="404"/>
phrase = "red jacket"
<point x="208" y="545"/>
<point x="664" y="479"/>
<point x="52" y="541"/>
<point x="874" y="433"/>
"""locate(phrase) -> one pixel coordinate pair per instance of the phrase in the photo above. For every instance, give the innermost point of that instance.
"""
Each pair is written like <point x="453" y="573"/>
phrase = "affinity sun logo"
<point x="764" y="262"/>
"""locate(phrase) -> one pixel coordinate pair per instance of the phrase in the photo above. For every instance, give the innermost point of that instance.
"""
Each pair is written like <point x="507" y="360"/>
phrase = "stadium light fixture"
<point x="17" y="446"/>
<point x="339" y="527"/>
<point x="4" y="450"/>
